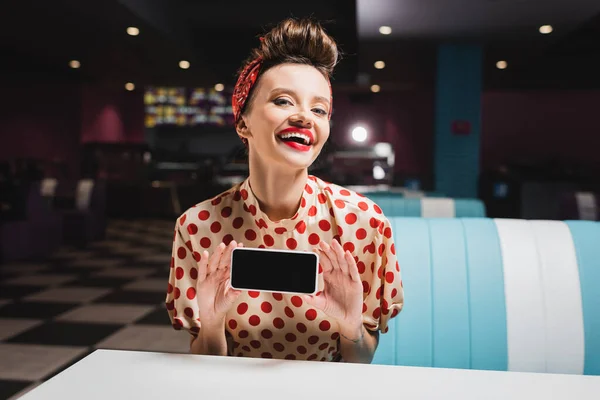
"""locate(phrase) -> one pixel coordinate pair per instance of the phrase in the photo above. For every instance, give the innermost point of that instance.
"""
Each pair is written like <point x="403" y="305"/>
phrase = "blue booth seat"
<point x="494" y="294"/>
<point x="429" y="207"/>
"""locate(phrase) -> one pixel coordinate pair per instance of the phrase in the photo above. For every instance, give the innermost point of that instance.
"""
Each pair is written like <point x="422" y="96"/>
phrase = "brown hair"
<point x="302" y="41"/>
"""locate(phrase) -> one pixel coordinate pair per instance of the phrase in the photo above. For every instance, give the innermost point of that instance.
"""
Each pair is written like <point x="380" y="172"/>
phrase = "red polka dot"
<point x="301" y="227"/>
<point x="313" y="340"/>
<point x="169" y="288"/>
<point x="188" y="312"/>
<point x="203" y="215"/>
<point x="216" y="201"/>
<point x="182" y="219"/>
<point x="253" y="293"/>
<point x="215" y="227"/>
<point x="192" y="229"/>
<point x="344" y="192"/>
<point x="335" y="336"/>
<point x="340" y="203"/>
<point x="331" y="212"/>
<point x="323" y="346"/>
<point x="389" y="277"/>
<point x="302" y="350"/>
<point x="252" y="209"/>
<point x="311" y="314"/>
<point x="205" y="242"/>
<point x="290" y="357"/>
<point x="194" y="273"/>
<point x="238" y="222"/>
<point x="381" y="249"/>
<point x="191" y="293"/>
<point x="374" y="223"/>
<point x="361" y="267"/>
<point x="301" y="327"/>
<point x="366" y="287"/>
<point x="363" y="206"/>
<point x="197" y="257"/>
<point x="280" y="231"/>
<point x="237" y="195"/>
<point x="255" y="344"/>
<point x="279" y="347"/>
<point x="181" y="253"/>
<point x="243" y="334"/>
<point x="312" y="357"/>
<point x="349" y="247"/>
<point x="278" y="323"/>
<point x="303" y="202"/>
<point x="394" y="292"/>
<point x="177" y="324"/>
<point x="378" y="293"/>
<point x="290" y="337"/>
<point x="324" y="225"/>
<point x="291" y="243"/>
<point x="267" y="334"/>
<point x="244" y="194"/>
<point x="380" y="272"/>
<point x="297" y="301"/>
<point x="232" y="324"/>
<point x="322" y="198"/>
<point x="314" y="239"/>
<point x="226" y="212"/>
<point x="266" y="307"/>
<point x="246" y="208"/>
<point x="312" y="211"/>
<point x="361" y="234"/>
<point x="179" y="273"/>
<point x="395" y="312"/>
<point x="324" y="326"/>
<point x="385" y="308"/>
<point x="250" y="234"/>
<point x="308" y="189"/>
<point x="266" y="355"/>
<point x="320" y="269"/>
<point x="289" y="312"/>
<point x="242" y="308"/>
<point x="277" y="296"/>
<point x="227" y="239"/>
<point x="170" y="305"/>
<point x="254" y="320"/>
<point x="393" y="249"/>
<point x="246" y="348"/>
<point x="388" y="232"/>
<point x="351" y="218"/>
<point x="188" y="244"/>
<point x="377" y="313"/>
<point x="364" y="310"/>
<point x="377" y="209"/>
<point x="177" y="293"/>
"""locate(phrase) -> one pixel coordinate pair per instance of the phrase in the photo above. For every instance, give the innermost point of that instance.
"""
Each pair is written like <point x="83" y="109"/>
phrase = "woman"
<point x="282" y="104"/>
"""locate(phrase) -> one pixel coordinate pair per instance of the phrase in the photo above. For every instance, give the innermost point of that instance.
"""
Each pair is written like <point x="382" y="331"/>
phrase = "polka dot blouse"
<point x="275" y="325"/>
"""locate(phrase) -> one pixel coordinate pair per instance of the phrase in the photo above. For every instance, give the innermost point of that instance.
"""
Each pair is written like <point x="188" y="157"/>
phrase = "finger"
<point x="226" y="256"/>
<point x="213" y="263"/>
<point x="352" y="267"/>
<point x="318" y="302"/>
<point x="230" y="293"/>
<point x="325" y="261"/>
<point x="339" y="253"/>
<point x="203" y="266"/>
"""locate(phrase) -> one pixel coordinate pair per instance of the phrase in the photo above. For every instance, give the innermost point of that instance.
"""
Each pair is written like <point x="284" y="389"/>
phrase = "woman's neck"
<point x="277" y="191"/>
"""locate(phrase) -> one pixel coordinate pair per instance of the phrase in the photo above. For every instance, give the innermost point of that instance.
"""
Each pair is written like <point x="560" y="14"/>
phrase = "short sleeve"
<point x="181" y="291"/>
<point x="384" y="297"/>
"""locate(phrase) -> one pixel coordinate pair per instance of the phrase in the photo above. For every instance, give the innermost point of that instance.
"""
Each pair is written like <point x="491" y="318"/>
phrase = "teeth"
<point x="298" y="135"/>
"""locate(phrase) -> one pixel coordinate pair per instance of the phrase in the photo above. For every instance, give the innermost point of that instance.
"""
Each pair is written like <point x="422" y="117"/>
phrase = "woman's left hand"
<point x="342" y="295"/>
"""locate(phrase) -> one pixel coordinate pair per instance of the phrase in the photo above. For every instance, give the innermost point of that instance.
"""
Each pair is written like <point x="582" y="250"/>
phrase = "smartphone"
<point x="281" y="271"/>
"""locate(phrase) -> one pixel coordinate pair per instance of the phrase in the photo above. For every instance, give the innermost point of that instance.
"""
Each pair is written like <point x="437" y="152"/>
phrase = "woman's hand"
<point x="214" y="293"/>
<point x="342" y="296"/>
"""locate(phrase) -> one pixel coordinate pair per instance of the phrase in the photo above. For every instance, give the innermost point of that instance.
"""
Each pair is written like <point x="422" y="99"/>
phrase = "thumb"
<point x="230" y="293"/>
<point x="316" y="301"/>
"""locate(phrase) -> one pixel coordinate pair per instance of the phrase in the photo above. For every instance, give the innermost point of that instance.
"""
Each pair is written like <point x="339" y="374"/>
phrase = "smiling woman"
<point x="282" y="104"/>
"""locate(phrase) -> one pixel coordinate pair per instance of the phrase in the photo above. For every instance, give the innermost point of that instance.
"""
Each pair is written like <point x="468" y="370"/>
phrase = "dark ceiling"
<point x="39" y="38"/>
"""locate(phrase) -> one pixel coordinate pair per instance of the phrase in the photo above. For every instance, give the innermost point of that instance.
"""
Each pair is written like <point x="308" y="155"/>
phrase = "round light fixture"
<point x="183" y="64"/>
<point x="546" y="29"/>
<point x="130" y="86"/>
<point x="359" y="134"/>
<point x="133" y="31"/>
<point x="385" y="30"/>
<point x="379" y="64"/>
<point x="219" y="87"/>
<point x="375" y="88"/>
<point x="74" y="64"/>
<point x="501" y="65"/>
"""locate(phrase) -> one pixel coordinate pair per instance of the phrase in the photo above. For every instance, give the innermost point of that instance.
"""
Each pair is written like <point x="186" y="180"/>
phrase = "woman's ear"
<point x="242" y="128"/>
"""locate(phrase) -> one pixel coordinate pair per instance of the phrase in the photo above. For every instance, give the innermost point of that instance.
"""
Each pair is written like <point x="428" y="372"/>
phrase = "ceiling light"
<point x="74" y="64"/>
<point x="379" y="64"/>
<point x="133" y="31"/>
<point x="501" y="65"/>
<point x="385" y="30"/>
<point x="184" y="64"/>
<point x="546" y="29"/>
<point x="129" y="86"/>
<point x="359" y="134"/>
<point x="375" y="88"/>
<point x="219" y="87"/>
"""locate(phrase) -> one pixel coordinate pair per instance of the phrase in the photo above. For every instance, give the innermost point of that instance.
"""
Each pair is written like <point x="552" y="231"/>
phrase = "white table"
<point x="110" y="375"/>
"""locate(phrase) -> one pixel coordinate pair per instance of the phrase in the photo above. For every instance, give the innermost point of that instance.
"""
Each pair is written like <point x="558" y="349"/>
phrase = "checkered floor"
<point x="110" y="295"/>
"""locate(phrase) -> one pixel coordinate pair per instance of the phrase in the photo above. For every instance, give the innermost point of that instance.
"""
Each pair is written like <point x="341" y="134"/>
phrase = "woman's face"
<point x="287" y="122"/>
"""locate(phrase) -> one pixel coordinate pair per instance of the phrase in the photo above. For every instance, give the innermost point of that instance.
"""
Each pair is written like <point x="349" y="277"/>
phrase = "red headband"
<point x="244" y="84"/>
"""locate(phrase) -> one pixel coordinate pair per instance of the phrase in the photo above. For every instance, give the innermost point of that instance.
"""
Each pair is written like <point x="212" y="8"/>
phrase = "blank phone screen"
<point x="276" y="271"/>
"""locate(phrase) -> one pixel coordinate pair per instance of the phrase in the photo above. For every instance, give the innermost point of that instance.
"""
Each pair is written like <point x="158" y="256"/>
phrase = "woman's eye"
<point x="320" y="111"/>
<point x="282" y="102"/>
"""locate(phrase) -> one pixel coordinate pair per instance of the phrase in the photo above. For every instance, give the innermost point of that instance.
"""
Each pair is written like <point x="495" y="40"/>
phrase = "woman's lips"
<point x="296" y="146"/>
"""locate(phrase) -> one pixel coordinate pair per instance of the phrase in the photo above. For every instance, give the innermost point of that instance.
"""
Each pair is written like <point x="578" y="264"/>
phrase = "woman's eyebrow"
<point x="293" y="93"/>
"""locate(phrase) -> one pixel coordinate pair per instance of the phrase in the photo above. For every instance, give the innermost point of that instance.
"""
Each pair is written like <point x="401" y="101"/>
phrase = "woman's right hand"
<point x="214" y="293"/>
